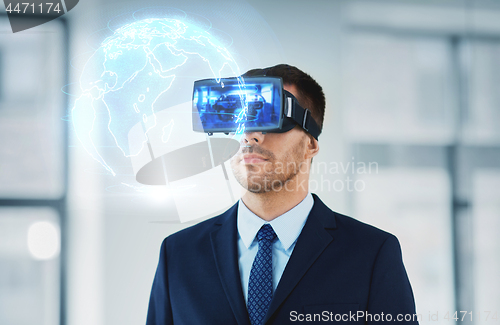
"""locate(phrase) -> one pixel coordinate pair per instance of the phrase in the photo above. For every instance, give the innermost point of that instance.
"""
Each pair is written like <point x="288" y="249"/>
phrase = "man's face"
<point x="267" y="162"/>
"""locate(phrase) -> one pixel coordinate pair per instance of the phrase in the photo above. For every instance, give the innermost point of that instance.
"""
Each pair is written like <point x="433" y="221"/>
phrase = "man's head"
<point x="281" y="161"/>
<point x="309" y="93"/>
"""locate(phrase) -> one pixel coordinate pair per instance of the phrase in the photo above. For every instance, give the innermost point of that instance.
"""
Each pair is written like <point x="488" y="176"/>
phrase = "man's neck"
<point x="272" y="204"/>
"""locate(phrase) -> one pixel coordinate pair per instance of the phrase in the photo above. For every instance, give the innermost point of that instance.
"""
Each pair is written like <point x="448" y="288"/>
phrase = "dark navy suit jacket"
<point x="339" y="267"/>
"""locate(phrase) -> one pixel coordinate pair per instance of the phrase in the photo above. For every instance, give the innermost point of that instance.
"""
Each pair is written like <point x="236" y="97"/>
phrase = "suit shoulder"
<point x="348" y="228"/>
<point x="198" y="230"/>
<point x="362" y="232"/>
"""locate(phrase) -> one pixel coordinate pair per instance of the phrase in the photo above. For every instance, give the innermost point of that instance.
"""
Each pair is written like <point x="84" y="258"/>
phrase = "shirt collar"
<point x="287" y="226"/>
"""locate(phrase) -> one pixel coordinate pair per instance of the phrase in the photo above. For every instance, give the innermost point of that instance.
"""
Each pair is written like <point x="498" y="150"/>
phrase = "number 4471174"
<point x="31" y="8"/>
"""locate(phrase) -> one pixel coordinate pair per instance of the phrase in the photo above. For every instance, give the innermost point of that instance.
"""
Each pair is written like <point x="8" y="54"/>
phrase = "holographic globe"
<point x="135" y="105"/>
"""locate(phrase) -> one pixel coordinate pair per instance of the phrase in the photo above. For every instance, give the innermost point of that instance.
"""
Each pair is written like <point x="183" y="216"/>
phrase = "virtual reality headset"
<point x="249" y="104"/>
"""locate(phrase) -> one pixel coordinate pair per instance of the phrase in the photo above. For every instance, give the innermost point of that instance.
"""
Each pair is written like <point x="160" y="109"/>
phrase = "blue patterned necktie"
<point x="260" y="284"/>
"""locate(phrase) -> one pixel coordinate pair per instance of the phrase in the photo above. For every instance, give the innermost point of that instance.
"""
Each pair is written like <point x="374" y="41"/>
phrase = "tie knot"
<point x="266" y="232"/>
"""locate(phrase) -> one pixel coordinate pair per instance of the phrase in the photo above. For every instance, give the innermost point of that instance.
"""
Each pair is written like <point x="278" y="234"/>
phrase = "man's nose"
<point x="251" y="138"/>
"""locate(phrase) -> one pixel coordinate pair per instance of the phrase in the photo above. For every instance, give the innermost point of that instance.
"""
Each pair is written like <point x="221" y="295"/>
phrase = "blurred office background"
<point x="413" y="94"/>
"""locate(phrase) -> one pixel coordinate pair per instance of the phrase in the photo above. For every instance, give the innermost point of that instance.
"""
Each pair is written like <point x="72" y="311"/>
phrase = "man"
<point x="280" y="255"/>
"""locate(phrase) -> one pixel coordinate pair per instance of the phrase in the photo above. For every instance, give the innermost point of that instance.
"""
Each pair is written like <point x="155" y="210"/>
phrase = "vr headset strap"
<point x="301" y="116"/>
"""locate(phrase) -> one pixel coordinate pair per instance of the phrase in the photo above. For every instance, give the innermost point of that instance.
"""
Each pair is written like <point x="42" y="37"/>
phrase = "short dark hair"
<point x="310" y="94"/>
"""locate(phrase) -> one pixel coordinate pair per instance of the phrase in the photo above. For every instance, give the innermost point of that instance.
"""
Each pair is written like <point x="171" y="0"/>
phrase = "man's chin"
<point x="253" y="183"/>
<point x="264" y="185"/>
<point x="256" y="190"/>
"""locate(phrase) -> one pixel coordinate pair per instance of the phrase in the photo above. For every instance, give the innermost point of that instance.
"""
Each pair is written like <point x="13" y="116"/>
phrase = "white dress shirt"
<point x="287" y="228"/>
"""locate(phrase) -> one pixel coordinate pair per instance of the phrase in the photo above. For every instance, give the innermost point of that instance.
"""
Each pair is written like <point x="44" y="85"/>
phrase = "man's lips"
<point x="253" y="159"/>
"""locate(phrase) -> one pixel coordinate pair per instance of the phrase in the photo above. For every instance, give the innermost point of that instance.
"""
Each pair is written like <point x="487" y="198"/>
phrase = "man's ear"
<point x="312" y="147"/>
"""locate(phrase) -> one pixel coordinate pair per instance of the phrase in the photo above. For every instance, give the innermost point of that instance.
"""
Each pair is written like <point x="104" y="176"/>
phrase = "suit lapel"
<point x="224" y="245"/>
<point x="313" y="239"/>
